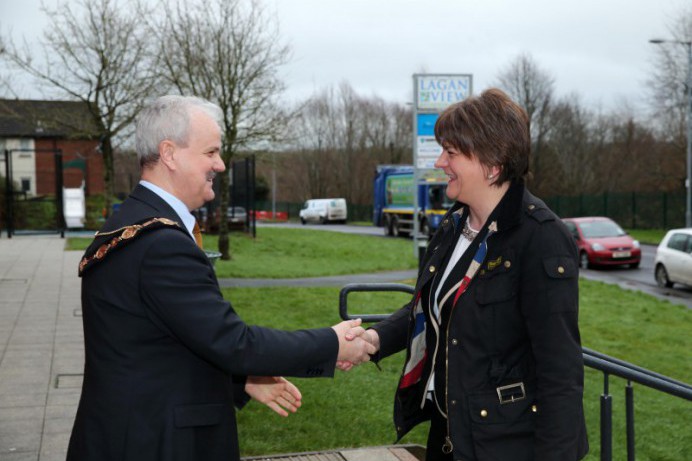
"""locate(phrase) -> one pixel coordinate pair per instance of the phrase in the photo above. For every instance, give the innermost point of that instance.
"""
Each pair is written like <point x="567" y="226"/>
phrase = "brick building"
<point x="33" y="131"/>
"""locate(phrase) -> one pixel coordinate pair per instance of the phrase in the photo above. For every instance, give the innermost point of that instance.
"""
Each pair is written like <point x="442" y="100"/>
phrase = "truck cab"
<point x="394" y="191"/>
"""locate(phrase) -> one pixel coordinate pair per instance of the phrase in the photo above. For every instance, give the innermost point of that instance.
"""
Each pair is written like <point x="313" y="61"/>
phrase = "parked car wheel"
<point x="584" y="260"/>
<point x="302" y="221"/>
<point x="662" y="277"/>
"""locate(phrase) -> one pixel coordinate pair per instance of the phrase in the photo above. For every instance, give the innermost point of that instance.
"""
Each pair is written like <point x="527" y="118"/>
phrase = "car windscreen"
<point x="599" y="229"/>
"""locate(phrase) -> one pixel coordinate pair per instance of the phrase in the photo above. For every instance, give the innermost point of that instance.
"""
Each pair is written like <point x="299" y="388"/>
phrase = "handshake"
<point x="355" y="344"/>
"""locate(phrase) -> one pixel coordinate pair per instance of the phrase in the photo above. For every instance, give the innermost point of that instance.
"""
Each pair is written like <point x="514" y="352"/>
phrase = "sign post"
<point x="432" y="94"/>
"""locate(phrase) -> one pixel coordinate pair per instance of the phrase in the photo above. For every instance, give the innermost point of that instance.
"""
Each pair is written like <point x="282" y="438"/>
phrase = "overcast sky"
<point x="596" y="48"/>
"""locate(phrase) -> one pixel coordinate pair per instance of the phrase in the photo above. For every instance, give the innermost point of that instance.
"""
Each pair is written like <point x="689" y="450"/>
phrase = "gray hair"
<point x="168" y="117"/>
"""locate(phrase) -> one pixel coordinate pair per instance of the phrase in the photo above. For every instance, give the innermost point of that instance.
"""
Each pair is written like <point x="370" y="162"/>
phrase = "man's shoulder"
<point x="107" y="242"/>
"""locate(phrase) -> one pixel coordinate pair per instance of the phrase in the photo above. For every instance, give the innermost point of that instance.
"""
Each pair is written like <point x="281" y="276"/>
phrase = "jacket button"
<point x="484" y="413"/>
<point x="455" y="342"/>
<point x="432" y="269"/>
<point x="508" y="264"/>
<point x="531" y="207"/>
<point x="454" y="402"/>
<point x="534" y="408"/>
<point x="445" y="221"/>
<point x="560" y="270"/>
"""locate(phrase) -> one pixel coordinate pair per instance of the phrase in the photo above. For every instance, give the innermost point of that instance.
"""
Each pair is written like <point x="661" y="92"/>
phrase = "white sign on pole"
<point x="432" y="95"/>
<point x="428" y="150"/>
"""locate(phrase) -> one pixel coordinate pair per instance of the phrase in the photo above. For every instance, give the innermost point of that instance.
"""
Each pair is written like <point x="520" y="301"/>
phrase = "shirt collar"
<point x="178" y="206"/>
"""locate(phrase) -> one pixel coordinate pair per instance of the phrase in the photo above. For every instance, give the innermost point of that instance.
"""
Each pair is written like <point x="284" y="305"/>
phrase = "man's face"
<point x="197" y="163"/>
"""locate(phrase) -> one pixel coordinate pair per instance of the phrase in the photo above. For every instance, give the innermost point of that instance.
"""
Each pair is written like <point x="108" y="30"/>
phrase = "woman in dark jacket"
<point x="494" y="357"/>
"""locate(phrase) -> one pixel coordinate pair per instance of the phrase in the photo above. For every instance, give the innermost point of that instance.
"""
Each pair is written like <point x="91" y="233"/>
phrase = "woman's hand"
<point x="276" y="392"/>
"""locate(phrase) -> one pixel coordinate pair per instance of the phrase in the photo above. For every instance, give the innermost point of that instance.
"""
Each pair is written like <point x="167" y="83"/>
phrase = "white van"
<point x="324" y="210"/>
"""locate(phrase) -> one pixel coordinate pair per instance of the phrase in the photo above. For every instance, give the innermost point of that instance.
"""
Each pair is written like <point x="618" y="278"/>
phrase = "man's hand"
<point x="370" y="336"/>
<point x="276" y="392"/>
<point x="352" y="347"/>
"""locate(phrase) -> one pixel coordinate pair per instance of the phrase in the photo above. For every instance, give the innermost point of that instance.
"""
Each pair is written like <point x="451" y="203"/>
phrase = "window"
<point x="26" y="184"/>
<point x="678" y="242"/>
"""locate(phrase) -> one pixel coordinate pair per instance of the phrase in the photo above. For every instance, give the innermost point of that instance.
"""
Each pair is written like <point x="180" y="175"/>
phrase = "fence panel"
<point x="639" y="210"/>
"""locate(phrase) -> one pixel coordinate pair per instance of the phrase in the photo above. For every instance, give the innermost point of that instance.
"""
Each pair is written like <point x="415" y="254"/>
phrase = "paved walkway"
<point x="42" y="351"/>
<point x="41" y="347"/>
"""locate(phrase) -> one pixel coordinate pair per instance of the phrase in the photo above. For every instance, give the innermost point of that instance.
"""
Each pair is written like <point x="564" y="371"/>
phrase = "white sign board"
<point x="436" y="92"/>
<point x="428" y="150"/>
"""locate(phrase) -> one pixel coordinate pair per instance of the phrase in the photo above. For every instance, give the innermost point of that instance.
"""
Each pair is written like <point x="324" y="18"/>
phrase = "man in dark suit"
<point x="167" y="358"/>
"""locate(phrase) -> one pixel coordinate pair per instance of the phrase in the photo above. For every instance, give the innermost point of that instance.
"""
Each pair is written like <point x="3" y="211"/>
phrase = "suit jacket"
<point x="166" y="355"/>
<point x="514" y="331"/>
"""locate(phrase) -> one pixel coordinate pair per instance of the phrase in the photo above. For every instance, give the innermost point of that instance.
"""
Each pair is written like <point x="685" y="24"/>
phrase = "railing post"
<point x="629" y="410"/>
<point x="606" y="422"/>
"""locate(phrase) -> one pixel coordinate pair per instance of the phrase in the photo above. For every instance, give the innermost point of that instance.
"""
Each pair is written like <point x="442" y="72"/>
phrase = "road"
<point x="641" y="279"/>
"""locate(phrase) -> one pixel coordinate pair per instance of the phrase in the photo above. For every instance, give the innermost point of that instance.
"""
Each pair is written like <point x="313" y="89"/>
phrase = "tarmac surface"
<point x="42" y="349"/>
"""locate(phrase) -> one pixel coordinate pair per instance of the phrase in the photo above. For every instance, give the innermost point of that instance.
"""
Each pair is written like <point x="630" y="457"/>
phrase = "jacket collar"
<point x="506" y="214"/>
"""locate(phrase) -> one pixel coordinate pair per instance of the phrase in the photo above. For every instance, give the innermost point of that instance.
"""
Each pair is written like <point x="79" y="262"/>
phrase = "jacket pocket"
<point x="502" y="431"/>
<point x="198" y="415"/>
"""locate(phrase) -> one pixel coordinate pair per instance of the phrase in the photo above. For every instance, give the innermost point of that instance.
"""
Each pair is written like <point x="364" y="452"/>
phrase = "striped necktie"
<point x="197" y="234"/>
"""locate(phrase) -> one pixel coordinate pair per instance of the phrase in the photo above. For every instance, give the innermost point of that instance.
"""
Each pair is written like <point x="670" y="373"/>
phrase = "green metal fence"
<point x="635" y="210"/>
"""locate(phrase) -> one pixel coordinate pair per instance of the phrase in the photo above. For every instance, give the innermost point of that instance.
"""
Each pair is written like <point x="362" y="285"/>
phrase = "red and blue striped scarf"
<point x="414" y="366"/>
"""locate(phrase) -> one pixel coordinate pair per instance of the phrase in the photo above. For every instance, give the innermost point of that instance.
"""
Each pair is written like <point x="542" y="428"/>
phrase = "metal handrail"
<point x="637" y="374"/>
<point x="592" y="359"/>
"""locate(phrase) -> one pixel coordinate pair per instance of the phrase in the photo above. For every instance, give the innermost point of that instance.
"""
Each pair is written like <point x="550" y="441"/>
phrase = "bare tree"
<point x="341" y="137"/>
<point x="668" y="82"/>
<point x="571" y="143"/>
<point x="314" y="143"/>
<point x="229" y="52"/>
<point x="533" y="89"/>
<point x="95" y="51"/>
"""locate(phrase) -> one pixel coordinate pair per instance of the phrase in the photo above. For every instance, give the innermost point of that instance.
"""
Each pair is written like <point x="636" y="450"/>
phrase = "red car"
<point x="602" y="242"/>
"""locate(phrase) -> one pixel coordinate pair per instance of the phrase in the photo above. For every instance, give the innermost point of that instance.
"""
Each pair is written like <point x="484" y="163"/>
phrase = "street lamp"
<point x="688" y="194"/>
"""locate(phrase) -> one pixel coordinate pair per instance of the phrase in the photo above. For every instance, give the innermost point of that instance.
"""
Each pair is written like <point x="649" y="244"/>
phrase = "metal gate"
<point x="32" y="190"/>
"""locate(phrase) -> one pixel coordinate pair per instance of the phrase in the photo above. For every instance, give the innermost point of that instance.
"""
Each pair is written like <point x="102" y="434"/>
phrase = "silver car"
<point x="673" y="262"/>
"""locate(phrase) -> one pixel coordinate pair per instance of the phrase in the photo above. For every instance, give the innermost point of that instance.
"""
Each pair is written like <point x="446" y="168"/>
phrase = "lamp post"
<point x="688" y="191"/>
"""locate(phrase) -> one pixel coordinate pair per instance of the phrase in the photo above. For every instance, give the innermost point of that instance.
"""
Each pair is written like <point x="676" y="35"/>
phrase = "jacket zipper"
<point x="447" y="447"/>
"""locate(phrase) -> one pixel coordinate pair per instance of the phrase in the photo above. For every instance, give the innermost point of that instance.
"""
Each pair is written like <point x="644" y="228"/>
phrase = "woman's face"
<point x="468" y="178"/>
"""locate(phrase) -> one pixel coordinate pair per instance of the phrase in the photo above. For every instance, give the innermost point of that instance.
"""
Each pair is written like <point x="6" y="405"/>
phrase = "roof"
<point x="23" y="118"/>
<point x="587" y="219"/>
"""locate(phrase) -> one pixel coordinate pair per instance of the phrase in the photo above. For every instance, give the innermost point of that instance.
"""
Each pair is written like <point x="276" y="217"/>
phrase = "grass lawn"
<point x="649" y="236"/>
<point x="355" y="408"/>
<point x="294" y="253"/>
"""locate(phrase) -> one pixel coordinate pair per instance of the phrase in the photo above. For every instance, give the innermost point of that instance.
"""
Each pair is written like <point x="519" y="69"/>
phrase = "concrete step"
<point x="381" y="453"/>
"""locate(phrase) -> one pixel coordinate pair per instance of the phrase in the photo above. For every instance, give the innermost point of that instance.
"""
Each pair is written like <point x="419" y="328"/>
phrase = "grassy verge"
<point x="294" y="253"/>
<point x="355" y="408"/>
<point x="647" y="236"/>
